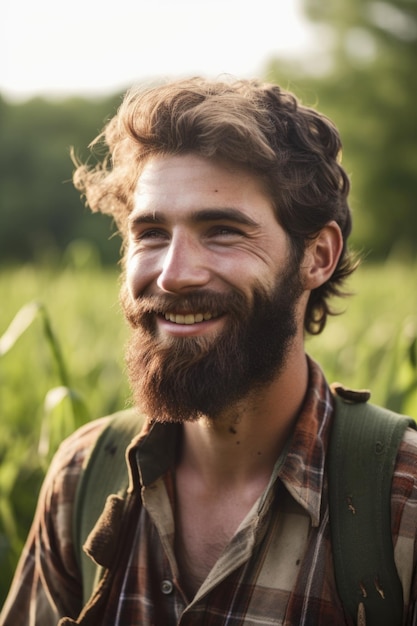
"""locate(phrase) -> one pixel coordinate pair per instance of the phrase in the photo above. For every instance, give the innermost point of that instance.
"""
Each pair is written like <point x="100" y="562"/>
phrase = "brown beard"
<point x="180" y="379"/>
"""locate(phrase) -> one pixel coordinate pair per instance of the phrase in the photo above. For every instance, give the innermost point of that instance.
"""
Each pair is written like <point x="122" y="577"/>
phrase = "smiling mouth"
<point x="189" y="318"/>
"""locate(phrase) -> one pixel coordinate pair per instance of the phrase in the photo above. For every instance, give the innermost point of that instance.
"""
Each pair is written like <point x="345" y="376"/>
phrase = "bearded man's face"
<point x="211" y="291"/>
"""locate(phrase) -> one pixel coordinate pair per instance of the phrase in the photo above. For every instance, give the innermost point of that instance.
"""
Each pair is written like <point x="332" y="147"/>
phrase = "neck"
<point x="243" y="444"/>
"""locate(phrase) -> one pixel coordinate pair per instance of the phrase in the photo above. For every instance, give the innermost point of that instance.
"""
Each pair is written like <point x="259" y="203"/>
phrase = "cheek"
<point x="137" y="277"/>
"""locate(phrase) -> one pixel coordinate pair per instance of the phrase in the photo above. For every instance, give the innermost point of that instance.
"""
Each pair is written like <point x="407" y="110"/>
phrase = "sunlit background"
<point x="354" y="59"/>
<point x="97" y="47"/>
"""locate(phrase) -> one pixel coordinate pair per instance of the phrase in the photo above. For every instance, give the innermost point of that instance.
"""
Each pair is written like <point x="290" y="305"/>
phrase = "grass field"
<point x="61" y="363"/>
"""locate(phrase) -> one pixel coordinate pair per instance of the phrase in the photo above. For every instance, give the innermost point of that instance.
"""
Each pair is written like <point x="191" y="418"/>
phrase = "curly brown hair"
<point x="254" y="125"/>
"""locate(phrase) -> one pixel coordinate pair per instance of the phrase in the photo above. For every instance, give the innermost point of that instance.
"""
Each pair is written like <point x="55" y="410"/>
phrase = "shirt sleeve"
<point x="404" y="521"/>
<point x="47" y="583"/>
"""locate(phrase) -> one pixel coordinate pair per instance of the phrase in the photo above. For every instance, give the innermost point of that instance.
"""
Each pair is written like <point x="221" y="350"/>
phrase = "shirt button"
<point x="167" y="587"/>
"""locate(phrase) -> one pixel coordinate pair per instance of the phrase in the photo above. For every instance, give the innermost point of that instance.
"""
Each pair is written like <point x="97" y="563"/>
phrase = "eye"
<point x="149" y="236"/>
<point x="226" y="231"/>
<point x="153" y="233"/>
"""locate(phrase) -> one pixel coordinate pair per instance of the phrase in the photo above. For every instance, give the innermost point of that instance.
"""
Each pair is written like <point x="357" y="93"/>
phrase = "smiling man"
<point x="232" y="204"/>
<point x="212" y="290"/>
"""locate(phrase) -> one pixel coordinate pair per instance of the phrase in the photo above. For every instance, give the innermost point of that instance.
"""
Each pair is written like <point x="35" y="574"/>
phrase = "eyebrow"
<point x="202" y="215"/>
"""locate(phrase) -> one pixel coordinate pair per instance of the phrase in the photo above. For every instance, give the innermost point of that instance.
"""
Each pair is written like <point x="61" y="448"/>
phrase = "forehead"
<point x="188" y="182"/>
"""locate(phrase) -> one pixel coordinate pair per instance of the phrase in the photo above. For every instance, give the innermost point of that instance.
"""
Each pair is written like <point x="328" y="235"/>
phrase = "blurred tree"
<point x="40" y="211"/>
<point x="364" y="78"/>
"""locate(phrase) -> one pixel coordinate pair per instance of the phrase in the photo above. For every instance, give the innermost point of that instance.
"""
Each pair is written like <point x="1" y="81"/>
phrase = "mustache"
<point x="146" y="307"/>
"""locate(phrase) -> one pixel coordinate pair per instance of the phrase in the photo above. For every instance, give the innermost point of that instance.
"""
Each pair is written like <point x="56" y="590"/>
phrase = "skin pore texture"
<point x="206" y="260"/>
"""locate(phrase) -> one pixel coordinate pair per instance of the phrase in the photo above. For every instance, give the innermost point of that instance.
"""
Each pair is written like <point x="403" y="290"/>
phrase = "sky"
<point x="96" y="47"/>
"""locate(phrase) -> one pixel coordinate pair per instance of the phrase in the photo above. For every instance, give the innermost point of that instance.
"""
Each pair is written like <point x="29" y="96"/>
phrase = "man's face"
<point x="210" y="289"/>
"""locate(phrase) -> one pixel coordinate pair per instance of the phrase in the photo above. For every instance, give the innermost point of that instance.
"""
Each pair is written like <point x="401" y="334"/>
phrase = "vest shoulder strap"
<point x="105" y="472"/>
<point x="363" y="449"/>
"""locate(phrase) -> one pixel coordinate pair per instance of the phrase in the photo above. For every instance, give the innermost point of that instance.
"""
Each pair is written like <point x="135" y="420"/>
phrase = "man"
<point x="232" y="204"/>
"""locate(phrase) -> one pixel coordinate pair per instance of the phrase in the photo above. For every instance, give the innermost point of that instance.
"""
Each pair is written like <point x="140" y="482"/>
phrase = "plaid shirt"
<point x="276" y="570"/>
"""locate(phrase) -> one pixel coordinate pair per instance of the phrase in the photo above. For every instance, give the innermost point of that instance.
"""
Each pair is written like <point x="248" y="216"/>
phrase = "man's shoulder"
<point x="74" y="450"/>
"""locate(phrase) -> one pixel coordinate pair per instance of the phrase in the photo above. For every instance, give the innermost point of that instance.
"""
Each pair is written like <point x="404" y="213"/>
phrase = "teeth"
<point x="189" y="318"/>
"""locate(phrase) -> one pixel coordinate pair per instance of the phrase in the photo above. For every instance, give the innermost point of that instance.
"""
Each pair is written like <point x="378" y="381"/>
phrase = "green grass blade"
<point x="20" y="323"/>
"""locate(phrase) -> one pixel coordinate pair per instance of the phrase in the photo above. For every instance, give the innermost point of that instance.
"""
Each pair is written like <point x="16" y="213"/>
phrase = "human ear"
<point x="322" y="255"/>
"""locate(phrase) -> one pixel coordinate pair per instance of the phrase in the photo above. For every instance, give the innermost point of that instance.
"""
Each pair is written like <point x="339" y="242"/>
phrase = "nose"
<point x="184" y="266"/>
